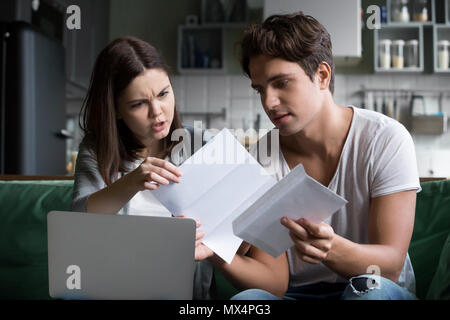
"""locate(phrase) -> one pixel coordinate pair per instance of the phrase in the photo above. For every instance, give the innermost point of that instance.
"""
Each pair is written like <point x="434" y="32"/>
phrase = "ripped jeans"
<point x="363" y="287"/>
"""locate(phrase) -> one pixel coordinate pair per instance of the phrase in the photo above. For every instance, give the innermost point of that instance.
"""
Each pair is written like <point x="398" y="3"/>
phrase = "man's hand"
<point x="202" y="252"/>
<point x="312" y="241"/>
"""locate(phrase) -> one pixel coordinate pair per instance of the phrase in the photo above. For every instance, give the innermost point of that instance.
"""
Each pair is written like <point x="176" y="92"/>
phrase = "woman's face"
<point x="147" y="106"/>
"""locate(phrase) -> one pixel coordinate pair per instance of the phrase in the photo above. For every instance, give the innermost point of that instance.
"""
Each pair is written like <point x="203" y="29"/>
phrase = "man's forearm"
<point x="247" y="273"/>
<point x="350" y="259"/>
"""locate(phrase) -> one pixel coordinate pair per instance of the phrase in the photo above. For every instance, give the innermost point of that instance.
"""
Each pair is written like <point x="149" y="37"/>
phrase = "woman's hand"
<point x="153" y="172"/>
<point x="312" y="241"/>
<point x="202" y="252"/>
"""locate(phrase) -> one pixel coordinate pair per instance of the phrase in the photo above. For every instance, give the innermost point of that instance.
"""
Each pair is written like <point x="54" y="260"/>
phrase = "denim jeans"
<point x="363" y="287"/>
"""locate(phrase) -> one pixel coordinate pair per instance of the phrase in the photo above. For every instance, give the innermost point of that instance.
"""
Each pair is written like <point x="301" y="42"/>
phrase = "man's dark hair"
<point x="293" y="37"/>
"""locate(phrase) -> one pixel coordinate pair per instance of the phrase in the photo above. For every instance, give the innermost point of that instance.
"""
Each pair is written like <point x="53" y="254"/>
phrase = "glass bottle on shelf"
<point x="385" y="53"/>
<point x="420" y="13"/>
<point x="443" y="54"/>
<point x="383" y="14"/>
<point x="214" y="12"/>
<point x="412" y="53"/>
<point x="398" y="61"/>
<point x="400" y="11"/>
<point x="395" y="9"/>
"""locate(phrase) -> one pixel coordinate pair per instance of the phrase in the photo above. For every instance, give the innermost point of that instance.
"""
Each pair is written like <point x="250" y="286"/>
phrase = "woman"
<point x="128" y="118"/>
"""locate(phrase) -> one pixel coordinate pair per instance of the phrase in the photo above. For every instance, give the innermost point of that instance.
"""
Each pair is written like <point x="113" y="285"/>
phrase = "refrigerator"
<point x="32" y="102"/>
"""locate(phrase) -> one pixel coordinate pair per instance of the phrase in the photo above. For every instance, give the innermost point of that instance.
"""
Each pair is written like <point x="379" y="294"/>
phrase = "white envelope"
<point x="216" y="184"/>
<point x="296" y="196"/>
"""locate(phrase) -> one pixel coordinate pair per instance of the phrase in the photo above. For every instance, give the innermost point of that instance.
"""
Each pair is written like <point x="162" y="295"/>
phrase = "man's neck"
<point x="324" y="137"/>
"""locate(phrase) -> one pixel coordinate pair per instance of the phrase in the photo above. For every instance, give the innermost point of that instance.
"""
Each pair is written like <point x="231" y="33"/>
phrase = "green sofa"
<point x="23" y="239"/>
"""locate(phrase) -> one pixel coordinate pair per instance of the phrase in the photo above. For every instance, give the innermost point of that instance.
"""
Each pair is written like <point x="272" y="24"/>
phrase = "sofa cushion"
<point x="23" y="238"/>
<point x="431" y="229"/>
<point x="440" y="285"/>
<point x="23" y="235"/>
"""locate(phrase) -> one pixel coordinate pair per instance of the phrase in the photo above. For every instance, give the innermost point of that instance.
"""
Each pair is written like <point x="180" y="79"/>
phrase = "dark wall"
<point x="11" y="10"/>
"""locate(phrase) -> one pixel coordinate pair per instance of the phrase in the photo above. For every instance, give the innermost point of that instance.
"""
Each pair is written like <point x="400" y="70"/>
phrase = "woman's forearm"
<point x="248" y="273"/>
<point x="112" y="198"/>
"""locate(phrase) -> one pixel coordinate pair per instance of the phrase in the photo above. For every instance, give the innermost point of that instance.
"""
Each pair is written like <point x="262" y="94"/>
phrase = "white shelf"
<point x="440" y="32"/>
<point x="431" y="6"/>
<point x="395" y="32"/>
<point x="447" y="11"/>
<point x="225" y="25"/>
<point x="200" y="49"/>
<point x="403" y="70"/>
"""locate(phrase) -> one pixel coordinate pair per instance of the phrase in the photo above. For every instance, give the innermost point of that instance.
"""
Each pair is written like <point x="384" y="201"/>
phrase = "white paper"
<point x="215" y="188"/>
<point x="296" y="196"/>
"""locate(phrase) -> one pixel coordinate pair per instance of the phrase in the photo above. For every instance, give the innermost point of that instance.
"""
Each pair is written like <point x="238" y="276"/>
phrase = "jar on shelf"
<point x="384" y="53"/>
<point x="400" y="11"/>
<point x="412" y="53"/>
<point x="443" y="54"/>
<point x="398" y="60"/>
<point x="420" y="10"/>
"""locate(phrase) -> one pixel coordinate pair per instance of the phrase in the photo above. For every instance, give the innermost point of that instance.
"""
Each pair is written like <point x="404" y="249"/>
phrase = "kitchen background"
<point x="198" y="39"/>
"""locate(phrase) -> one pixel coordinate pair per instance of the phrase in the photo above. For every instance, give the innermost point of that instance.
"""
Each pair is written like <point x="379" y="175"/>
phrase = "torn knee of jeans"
<point x="362" y="285"/>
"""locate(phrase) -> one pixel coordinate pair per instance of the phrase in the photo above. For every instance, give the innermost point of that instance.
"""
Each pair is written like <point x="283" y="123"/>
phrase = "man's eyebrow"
<point x="273" y="78"/>
<point x="145" y="99"/>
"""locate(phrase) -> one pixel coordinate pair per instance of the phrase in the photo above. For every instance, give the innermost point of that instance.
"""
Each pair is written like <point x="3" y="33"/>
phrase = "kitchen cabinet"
<point x="342" y="19"/>
<point x="207" y="46"/>
<point x="432" y="28"/>
<point x="441" y="33"/>
<point x="15" y="10"/>
<point x="200" y="49"/>
<point x="82" y="46"/>
<point x="411" y="12"/>
<point x="393" y="32"/>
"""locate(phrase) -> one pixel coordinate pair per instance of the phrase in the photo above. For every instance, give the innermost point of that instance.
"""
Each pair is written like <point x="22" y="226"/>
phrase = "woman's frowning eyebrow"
<point x="137" y="101"/>
<point x="145" y="99"/>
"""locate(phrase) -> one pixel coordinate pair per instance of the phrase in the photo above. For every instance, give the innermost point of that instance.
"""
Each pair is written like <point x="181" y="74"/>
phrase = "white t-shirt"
<point x="378" y="158"/>
<point x="144" y="203"/>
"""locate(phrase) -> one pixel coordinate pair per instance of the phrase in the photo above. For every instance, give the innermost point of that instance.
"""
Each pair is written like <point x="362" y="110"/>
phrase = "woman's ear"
<point x="323" y="75"/>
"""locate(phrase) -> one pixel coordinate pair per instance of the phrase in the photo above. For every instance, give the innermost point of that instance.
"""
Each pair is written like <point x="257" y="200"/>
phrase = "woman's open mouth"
<point x="159" y="126"/>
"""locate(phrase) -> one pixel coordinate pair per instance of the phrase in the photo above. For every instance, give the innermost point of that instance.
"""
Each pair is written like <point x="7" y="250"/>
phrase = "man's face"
<point x="289" y="97"/>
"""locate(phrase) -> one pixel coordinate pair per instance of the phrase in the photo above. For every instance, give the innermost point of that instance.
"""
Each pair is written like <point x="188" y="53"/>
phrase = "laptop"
<point x="109" y="256"/>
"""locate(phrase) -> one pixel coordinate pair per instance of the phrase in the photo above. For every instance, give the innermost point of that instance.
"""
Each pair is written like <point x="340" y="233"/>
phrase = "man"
<point x="364" y="156"/>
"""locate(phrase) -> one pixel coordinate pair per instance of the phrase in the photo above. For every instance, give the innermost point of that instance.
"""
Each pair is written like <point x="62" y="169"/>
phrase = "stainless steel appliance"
<point x="32" y="101"/>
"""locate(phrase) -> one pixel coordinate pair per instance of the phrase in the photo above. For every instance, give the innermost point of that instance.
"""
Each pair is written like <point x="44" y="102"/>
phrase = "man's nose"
<point x="270" y="99"/>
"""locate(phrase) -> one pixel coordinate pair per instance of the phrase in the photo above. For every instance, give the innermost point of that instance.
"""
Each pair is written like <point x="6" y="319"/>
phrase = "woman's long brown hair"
<point x="112" y="141"/>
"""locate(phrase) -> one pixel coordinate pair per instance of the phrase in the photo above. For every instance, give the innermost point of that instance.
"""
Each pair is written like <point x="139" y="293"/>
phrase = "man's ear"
<point x="323" y="75"/>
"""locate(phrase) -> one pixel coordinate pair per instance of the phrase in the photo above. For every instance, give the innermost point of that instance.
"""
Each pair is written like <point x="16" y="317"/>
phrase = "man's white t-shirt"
<point x="378" y="158"/>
